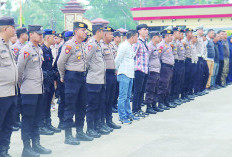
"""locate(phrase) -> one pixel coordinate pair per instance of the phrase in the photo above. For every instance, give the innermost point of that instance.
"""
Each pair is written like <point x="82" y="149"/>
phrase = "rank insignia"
<point x="68" y="49"/>
<point x="90" y="47"/>
<point x="26" y="54"/>
<point x="77" y="47"/>
<point x="16" y="50"/>
<point x="160" y="49"/>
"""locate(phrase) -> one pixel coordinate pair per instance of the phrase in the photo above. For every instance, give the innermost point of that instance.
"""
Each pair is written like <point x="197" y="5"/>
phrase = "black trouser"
<point x="96" y="103"/>
<point x="32" y="106"/>
<point x="193" y="80"/>
<point x="45" y="115"/>
<point x="180" y="78"/>
<point x="7" y="119"/>
<point x="116" y="95"/>
<point x="174" y="93"/>
<point x="164" y="86"/>
<point x="75" y="98"/>
<point x="60" y="90"/>
<point x="151" y="88"/>
<point x="199" y="77"/>
<point x="219" y="76"/>
<point x="111" y="80"/>
<point x="140" y="82"/>
<point x="205" y="75"/>
<point x="188" y="77"/>
<point x="18" y="106"/>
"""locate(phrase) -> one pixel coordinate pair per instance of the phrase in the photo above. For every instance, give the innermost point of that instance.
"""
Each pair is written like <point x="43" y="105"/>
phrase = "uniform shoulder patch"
<point x="16" y="50"/>
<point x="90" y="47"/>
<point x="160" y="49"/>
<point x="26" y="54"/>
<point x="68" y="49"/>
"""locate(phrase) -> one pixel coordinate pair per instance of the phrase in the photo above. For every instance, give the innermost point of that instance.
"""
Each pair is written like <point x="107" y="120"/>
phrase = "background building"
<point x="217" y="16"/>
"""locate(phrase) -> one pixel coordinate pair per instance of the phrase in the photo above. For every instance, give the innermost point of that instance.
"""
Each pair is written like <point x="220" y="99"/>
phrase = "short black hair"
<point x="220" y="31"/>
<point x="210" y="30"/>
<point x="131" y="33"/>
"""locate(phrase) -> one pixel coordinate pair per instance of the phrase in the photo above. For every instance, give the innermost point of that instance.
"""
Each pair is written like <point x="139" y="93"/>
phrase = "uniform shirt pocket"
<point x="5" y="59"/>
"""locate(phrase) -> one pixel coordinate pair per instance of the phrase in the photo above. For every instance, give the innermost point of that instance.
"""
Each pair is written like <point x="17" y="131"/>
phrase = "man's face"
<point x="211" y="34"/>
<point x="24" y="36"/>
<point x="135" y="38"/>
<point x="170" y="37"/>
<point x="57" y="40"/>
<point x="224" y="35"/>
<point x="176" y="34"/>
<point x="200" y="32"/>
<point x="181" y="36"/>
<point x="10" y="31"/>
<point x="156" y="39"/>
<point x="194" y="39"/>
<point x="108" y="36"/>
<point x="143" y="32"/>
<point x="51" y="39"/>
<point x="216" y="38"/>
<point x="230" y="40"/>
<point x="38" y="38"/>
<point x="81" y="33"/>
<point x="221" y="35"/>
<point x="13" y="39"/>
<point x="190" y="34"/>
<point x="204" y="38"/>
<point x="117" y="39"/>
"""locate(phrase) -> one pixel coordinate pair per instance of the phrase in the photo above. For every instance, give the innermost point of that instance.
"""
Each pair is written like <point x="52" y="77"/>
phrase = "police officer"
<point x="30" y="76"/>
<point x="153" y="77"/>
<point x="60" y="85"/>
<point x="188" y="63"/>
<point x="114" y="45"/>
<point x="111" y="79"/>
<point x="8" y="84"/>
<point x="200" y="63"/>
<point x="167" y="62"/>
<point x="22" y="38"/>
<point x="72" y="69"/>
<point x="181" y="67"/>
<point x="45" y="126"/>
<point x="175" y="46"/>
<point x="95" y="84"/>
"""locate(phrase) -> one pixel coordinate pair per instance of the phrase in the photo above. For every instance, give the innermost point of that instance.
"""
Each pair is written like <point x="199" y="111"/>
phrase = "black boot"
<point x="61" y="124"/>
<point x="4" y="152"/>
<point x="69" y="139"/>
<point x="157" y="109"/>
<point x="162" y="106"/>
<point x="45" y="131"/>
<point x="171" y="105"/>
<point x="38" y="148"/>
<point x="28" y="151"/>
<point x="91" y="131"/>
<point x="80" y="135"/>
<point x="106" y="127"/>
<point x="111" y="124"/>
<point x="50" y="127"/>
<point x="100" y="129"/>
<point x="150" y="109"/>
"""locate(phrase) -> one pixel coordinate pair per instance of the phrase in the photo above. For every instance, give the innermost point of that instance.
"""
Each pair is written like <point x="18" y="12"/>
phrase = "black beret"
<point x="97" y="27"/>
<point x="188" y="30"/>
<point x="108" y="29"/>
<point x="141" y="26"/>
<point x="79" y="25"/>
<point x="176" y="29"/>
<point x="35" y="28"/>
<point x="21" y="30"/>
<point x="7" y="21"/>
<point x="182" y="30"/>
<point x="164" y="32"/>
<point x="116" y="34"/>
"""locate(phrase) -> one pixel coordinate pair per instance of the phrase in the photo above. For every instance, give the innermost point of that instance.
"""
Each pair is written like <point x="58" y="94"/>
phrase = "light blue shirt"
<point x="124" y="61"/>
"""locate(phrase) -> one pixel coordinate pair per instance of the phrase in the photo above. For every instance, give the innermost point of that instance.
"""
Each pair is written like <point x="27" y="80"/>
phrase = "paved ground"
<point x="201" y="128"/>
